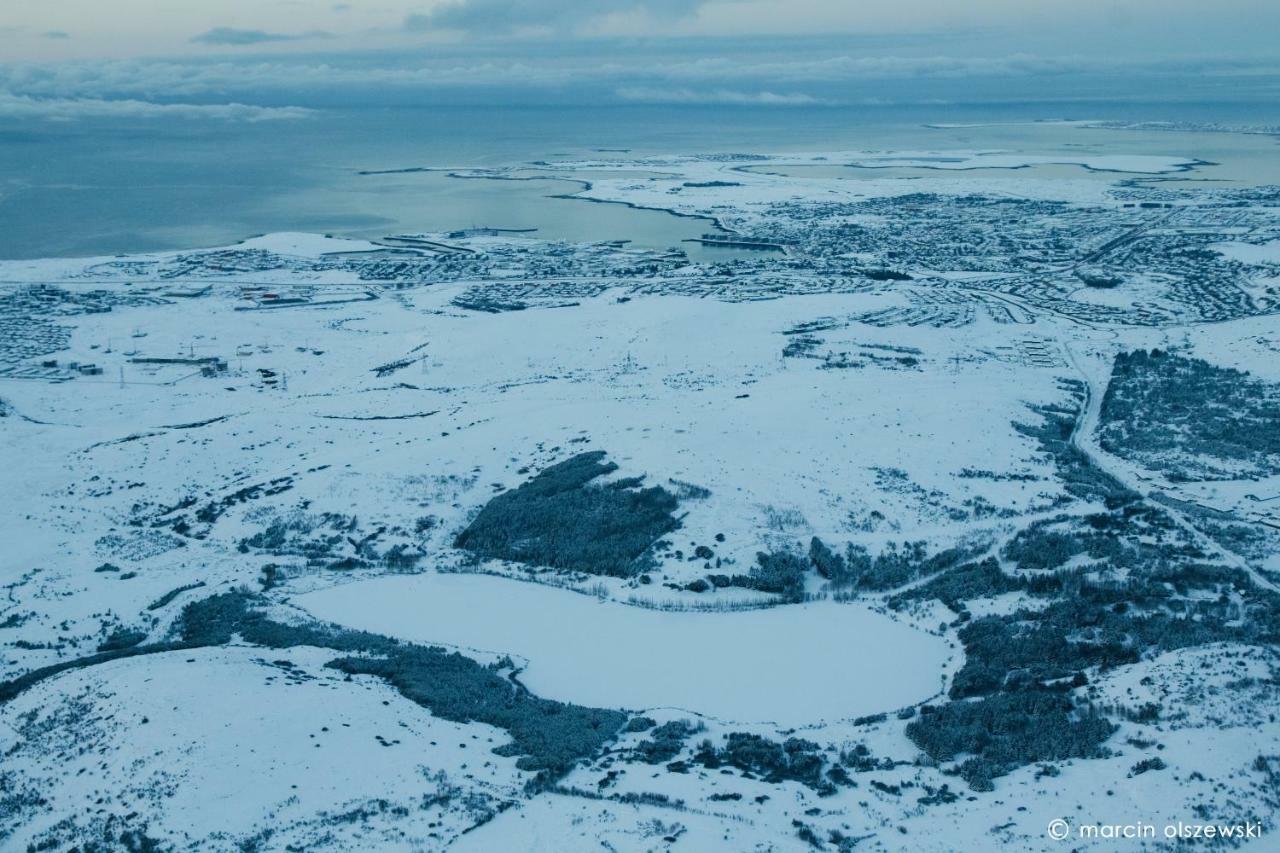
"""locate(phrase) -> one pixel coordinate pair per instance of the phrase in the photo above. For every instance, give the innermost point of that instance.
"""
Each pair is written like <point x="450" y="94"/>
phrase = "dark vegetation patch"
<point x="1146" y="765"/>
<point x="779" y="572"/>
<point x="783" y="572"/>
<point x="15" y="686"/>
<point x="1008" y="730"/>
<point x="1255" y="542"/>
<point x="1080" y="477"/>
<point x="1185" y="417"/>
<point x="560" y="518"/>
<point x="1011" y="701"/>
<point x="640" y="724"/>
<point x="795" y="760"/>
<point x="407" y="417"/>
<point x="802" y="346"/>
<point x="891" y="568"/>
<point x="688" y="491"/>
<point x="212" y="511"/>
<point x="332" y="540"/>
<point x="197" y="424"/>
<point x="1001" y="477"/>
<point x="548" y="736"/>
<point x="15" y="619"/>
<point x="18" y="799"/>
<point x="968" y="582"/>
<point x="860" y="760"/>
<point x="665" y="742"/>
<point x="199" y="523"/>
<point x="1115" y="585"/>
<point x="112" y="834"/>
<point x="1106" y="624"/>
<point x="802" y="343"/>
<point x="122" y="638"/>
<point x="169" y="596"/>
<point x="886" y="275"/>
<point x="1136" y="537"/>
<point x="484" y="302"/>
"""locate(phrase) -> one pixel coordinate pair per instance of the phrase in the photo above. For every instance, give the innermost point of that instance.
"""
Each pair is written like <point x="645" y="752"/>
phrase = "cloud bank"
<point x="69" y="109"/>
<point x="775" y="72"/>
<point x="613" y="67"/>
<point x="233" y="37"/>
<point x="488" y="17"/>
<point x="651" y="95"/>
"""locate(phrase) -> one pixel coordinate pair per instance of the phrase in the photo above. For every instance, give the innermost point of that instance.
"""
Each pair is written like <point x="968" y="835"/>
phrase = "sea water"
<point x="93" y="187"/>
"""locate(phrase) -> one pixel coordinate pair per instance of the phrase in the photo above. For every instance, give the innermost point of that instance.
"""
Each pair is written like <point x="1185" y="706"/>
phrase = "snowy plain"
<point x="391" y="410"/>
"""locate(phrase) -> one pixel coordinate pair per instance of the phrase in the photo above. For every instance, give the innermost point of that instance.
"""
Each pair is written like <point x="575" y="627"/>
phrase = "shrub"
<point x="168" y="597"/>
<point x="779" y="572"/>
<point x="665" y="743"/>
<point x="963" y="583"/>
<point x="1154" y="763"/>
<point x="122" y="638"/>
<point x="893" y="567"/>
<point x="796" y="759"/>
<point x="640" y="724"/>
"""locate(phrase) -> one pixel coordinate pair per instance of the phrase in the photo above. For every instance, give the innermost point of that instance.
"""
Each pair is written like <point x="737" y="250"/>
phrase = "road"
<point x="1082" y="437"/>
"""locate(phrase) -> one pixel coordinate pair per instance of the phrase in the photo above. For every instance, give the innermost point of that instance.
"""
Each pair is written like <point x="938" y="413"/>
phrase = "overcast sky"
<point x="62" y="29"/>
<point x="57" y="54"/>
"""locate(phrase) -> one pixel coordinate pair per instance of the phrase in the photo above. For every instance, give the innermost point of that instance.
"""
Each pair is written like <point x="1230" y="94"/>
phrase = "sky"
<point x="264" y="59"/>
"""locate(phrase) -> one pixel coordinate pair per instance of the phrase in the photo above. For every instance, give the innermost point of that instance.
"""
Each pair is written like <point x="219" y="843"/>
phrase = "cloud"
<point x="604" y="71"/>
<point x="653" y="95"/>
<point x="417" y="23"/>
<point x="233" y="37"/>
<point x="487" y="17"/>
<point x="56" y="35"/>
<point x="68" y="109"/>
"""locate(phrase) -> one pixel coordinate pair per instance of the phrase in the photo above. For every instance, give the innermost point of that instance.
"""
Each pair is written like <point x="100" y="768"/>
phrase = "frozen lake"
<point x="789" y="665"/>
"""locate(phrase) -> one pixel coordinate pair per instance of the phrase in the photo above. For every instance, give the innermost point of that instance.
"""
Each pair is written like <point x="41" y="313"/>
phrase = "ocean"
<point x="101" y="187"/>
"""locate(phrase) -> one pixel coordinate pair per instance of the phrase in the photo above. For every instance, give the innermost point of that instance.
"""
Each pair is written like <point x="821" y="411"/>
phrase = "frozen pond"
<point x="789" y="665"/>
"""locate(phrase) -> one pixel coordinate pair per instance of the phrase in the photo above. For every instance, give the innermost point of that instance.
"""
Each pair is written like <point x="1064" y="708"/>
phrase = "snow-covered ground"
<point x="315" y="420"/>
